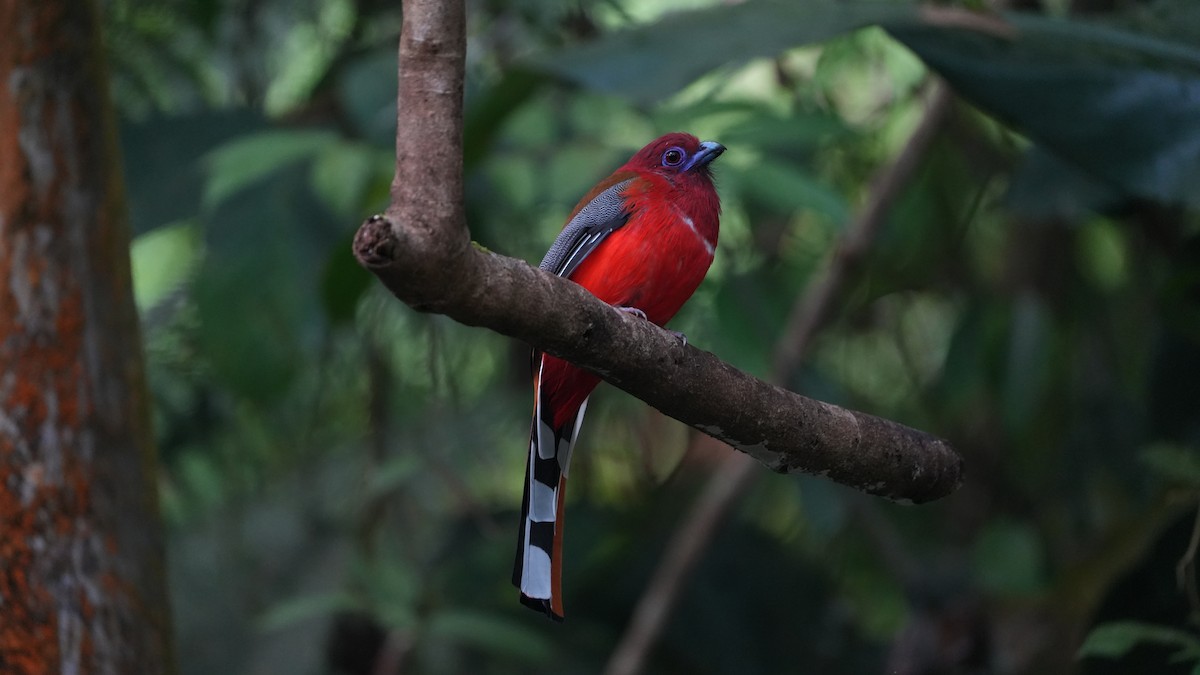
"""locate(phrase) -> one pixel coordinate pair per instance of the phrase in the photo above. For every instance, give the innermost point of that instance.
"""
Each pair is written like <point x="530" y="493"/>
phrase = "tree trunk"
<point x="82" y="585"/>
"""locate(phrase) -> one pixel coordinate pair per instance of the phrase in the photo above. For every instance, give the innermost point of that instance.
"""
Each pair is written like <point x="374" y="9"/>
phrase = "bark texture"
<point x="82" y="586"/>
<point x="421" y="251"/>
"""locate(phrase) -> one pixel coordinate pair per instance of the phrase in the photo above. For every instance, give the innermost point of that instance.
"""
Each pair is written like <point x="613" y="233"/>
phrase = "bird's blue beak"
<point x="709" y="150"/>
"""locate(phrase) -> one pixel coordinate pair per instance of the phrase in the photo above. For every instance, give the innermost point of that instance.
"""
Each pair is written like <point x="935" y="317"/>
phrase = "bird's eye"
<point x="673" y="157"/>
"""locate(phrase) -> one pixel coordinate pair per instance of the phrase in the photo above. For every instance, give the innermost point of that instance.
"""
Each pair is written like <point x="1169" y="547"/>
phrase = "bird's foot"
<point x="642" y="315"/>
<point x="632" y="310"/>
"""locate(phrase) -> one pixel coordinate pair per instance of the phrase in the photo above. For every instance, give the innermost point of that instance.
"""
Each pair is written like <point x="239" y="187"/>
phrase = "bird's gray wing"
<point x="595" y="221"/>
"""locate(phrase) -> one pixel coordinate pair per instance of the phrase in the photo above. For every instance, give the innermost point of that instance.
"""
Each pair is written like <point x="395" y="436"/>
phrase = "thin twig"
<point x="734" y="475"/>
<point x="812" y="312"/>
<point x="968" y="19"/>
<point x="682" y="554"/>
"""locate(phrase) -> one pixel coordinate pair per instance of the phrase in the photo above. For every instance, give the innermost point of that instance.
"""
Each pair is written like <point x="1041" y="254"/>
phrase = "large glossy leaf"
<point x="1141" y="133"/>
<point x="652" y="62"/>
<point x="1123" y="106"/>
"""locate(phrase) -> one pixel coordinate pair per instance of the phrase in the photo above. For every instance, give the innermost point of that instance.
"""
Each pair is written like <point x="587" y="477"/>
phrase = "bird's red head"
<point x="676" y="154"/>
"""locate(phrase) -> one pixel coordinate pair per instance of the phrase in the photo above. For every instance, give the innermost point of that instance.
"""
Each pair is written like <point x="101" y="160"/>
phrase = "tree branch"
<point x="735" y="474"/>
<point x="422" y="252"/>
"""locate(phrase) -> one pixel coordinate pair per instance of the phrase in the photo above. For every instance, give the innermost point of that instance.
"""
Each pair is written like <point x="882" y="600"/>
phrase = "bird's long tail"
<point x="538" y="568"/>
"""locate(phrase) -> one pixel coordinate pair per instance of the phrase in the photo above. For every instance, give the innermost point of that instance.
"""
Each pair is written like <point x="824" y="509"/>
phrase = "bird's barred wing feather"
<point x="597" y="219"/>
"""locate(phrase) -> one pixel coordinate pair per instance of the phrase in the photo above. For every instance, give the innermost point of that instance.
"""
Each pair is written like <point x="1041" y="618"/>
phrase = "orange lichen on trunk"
<point x="81" y="587"/>
<point x="28" y="641"/>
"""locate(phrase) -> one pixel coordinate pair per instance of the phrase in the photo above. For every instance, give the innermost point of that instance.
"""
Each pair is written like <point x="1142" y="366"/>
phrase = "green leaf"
<point x="963" y="370"/>
<point x="1030" y="364"/>
<point x="342" y="173"/>
<point x="248" y="326"/>
<point x="162" y="171"/>
<point x="1177" y="20"/>
<point x="1114" y="640"/>
<point x="162" y="260"/>
<point x="1103" y="255"/>
<point x="1186" y="654"/>
<point x="203" y="480"/>
<point x="487" y="112"/>
<point x="305" y="54"/>
<point x="1045" y="187"/>
<point x="751" y="309"/>
<point x="255" y="290"/>
<point x="799" y="130"/>
<point x="1008" y="558"/>
<point x="394" y="472"/>
<point x="1174" y="464"/>
<point x="1141" y="130"/>
<point x="367" y="93"/>
<point x="243" y="161"/>
<point x="785" y="188"/>
<point x="649" y="63"/>
<point x="826" y="510"/>
<point x="295" y="610"/>
<point x="343" y="283"/>
<point x="492" y="634"/>
<point x="393" y="588"/>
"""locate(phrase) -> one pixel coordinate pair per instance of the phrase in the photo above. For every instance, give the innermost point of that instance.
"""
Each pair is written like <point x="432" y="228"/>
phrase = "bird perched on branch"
<point x="641" y="240"/>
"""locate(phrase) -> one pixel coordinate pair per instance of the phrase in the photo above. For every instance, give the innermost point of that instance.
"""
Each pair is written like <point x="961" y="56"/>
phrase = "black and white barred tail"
<point x="538" y="567"/>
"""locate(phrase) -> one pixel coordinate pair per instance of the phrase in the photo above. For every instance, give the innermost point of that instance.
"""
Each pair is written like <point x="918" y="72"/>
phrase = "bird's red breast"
<point x="655" y="261"/>
<point x="643" y="238"/>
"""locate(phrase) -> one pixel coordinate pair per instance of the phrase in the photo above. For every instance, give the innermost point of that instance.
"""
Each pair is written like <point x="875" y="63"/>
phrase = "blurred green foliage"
<point x="341" y="474"/>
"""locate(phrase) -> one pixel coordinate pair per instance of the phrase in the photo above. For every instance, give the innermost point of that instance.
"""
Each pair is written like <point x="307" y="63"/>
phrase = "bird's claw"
<point x="632" y="310"/>
<point x="642" y="315"/>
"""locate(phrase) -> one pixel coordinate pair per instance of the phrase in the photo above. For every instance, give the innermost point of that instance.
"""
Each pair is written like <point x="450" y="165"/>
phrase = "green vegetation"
<point x="342" y="475"/>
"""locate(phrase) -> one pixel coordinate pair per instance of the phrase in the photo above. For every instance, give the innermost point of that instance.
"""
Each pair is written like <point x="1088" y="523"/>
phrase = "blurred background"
<point x="341" y="475"/>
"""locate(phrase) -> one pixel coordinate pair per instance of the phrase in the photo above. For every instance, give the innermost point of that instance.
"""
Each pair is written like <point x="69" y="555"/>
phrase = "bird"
<point x="641" y="240"/>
